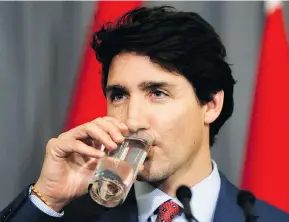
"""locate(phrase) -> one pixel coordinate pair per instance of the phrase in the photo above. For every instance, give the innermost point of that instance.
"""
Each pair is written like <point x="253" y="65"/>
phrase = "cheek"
<point x="179" y="126"/>
<point x="168" y="123"/>
<point x="118" y="113"/>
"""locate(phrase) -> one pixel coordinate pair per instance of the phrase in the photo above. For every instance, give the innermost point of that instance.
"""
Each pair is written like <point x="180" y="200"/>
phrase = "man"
<point x="163" y="72"/>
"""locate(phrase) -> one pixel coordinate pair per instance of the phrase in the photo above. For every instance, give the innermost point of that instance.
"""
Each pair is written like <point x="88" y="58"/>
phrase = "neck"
<point x="190" y="174"/>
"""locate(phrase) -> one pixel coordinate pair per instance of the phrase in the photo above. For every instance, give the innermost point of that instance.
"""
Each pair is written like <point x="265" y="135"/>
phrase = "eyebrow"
<point x="115" y="88"/>
<point x="144" y="86"/>
<point x="154" y="85"/>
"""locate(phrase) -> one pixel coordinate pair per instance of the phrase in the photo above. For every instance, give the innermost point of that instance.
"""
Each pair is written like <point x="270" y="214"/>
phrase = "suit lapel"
<point x="227" y="209"/>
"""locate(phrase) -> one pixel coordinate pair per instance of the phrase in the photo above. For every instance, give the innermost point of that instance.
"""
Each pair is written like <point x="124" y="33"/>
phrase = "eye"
<point x="156" y="93"/>
<point x="117" y="97"/>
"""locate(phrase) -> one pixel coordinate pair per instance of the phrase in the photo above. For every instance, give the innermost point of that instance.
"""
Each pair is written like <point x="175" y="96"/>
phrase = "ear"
<point x="214" y="108"/>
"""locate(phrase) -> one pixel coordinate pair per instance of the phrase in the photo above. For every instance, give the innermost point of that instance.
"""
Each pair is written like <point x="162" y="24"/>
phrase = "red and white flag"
<point x="266" y="166"/>
<point x="88" y="101"/>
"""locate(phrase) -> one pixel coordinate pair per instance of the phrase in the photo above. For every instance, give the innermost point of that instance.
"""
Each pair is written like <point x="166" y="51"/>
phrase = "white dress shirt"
<point x="203" y="203"/>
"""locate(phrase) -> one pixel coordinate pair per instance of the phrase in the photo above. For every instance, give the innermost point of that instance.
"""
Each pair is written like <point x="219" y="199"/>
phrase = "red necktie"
<point x="168" y="211"/>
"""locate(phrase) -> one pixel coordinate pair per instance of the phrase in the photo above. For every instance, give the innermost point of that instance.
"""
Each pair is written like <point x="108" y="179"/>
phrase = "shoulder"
<point x="264" y="210"/>
<point x="270" y="212"/>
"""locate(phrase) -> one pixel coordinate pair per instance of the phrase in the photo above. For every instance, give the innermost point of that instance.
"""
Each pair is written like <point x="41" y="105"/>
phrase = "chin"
<point x="144" y="174"/>
<point x="153" y="172"/>
<point x="144" y="177"/>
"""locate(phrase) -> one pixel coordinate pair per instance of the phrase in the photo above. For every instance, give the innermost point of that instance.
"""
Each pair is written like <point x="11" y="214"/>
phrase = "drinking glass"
<point x="116" y="172"/>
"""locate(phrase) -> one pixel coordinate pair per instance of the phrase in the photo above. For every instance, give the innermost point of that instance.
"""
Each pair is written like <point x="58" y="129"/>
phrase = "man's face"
<point x="145" y="96"/>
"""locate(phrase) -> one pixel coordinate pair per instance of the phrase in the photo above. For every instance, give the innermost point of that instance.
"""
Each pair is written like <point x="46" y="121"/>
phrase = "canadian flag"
<point x="88" y="101"/>
<point x="266" y="165"/>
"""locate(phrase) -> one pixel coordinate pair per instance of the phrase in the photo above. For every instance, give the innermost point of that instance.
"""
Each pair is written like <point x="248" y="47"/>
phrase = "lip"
<point x="150" y="152"/>
<point x="151" y="148"/>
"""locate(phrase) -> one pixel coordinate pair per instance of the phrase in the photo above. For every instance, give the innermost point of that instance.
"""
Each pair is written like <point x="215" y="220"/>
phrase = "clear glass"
<point x="116" y="172"/>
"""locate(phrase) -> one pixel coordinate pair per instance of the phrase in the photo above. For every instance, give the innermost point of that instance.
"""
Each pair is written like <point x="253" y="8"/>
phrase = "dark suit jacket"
<point x="85" y="210"/>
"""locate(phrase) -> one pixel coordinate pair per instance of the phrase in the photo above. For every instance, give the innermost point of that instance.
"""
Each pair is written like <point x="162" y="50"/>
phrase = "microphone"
<point x="184" y="195"/>
<point x="246" y="200"/>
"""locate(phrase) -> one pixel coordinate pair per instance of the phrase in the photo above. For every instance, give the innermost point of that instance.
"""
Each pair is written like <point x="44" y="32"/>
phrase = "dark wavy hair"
<point x="182" y="42"/>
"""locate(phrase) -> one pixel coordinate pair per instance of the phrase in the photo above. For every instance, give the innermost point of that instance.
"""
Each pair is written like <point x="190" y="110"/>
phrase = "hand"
<point x="69" y="163"/>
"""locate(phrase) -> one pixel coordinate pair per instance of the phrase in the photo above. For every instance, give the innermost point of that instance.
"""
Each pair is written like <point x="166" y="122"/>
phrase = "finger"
<point x="91" y="164"/>
<point x="141" y="168"/>
<point x="74" y="133"/>
<point x="121" y="126"/>
<point x="64" y="147"/>
<point x="90" y="130"/>
<point x="109" y="127"/>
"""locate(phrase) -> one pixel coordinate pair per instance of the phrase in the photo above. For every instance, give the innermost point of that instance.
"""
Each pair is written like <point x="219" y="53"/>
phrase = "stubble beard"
<point x="155" y="176"/>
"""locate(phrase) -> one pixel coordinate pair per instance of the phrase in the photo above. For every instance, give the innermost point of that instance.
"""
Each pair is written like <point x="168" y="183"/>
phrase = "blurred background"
<point x="42" y="46"/>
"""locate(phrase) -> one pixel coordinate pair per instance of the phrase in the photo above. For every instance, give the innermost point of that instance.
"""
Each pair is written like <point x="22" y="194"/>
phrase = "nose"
<point x="134" y="124"/>
<point x="137" y="117"/>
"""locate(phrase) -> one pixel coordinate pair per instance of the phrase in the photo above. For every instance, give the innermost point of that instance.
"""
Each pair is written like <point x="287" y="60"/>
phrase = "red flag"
<point x="88" y="101"/>
<point x="266" y="166"/>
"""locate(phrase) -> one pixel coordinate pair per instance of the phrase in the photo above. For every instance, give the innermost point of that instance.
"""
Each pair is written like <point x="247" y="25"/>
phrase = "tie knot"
<point x="168" y="211"/>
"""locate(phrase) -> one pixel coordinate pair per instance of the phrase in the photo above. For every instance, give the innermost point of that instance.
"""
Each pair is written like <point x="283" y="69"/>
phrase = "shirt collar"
<point x="203" y="202"/>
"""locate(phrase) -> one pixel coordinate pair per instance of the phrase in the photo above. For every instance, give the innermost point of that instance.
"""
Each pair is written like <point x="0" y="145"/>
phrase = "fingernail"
<point x="112" y="145"/>
<point x="123" y="126"/>
<point x="102" y="154"/>
<point x="120" y="138"/>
